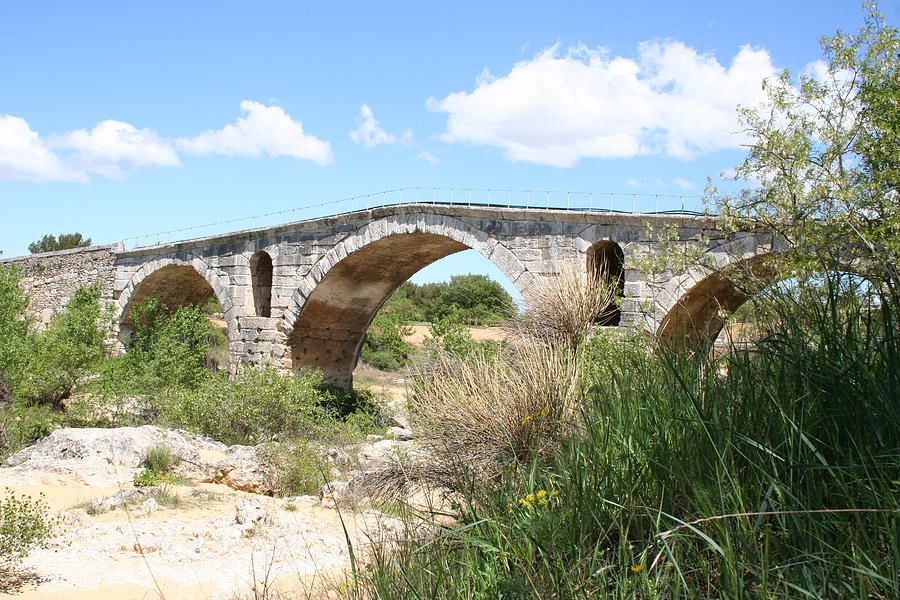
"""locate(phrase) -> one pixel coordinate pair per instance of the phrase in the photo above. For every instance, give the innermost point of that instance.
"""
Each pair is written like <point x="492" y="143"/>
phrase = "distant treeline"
<point x="470" y="299"/>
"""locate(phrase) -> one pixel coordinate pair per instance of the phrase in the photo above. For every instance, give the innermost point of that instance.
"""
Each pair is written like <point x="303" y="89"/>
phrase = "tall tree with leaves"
<point x="824" y="161"/>
<point x="66" y="241"/>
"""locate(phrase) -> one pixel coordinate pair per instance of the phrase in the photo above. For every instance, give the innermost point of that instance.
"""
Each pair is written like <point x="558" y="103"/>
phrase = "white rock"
<point x="150" y="505"/>
<point x="400" y="433"/>
<point x="249" y="511"/>
<point x="334" y="493"/>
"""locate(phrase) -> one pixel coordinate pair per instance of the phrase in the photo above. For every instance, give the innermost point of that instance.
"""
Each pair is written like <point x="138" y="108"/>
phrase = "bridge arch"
<point x="329" y="313"/>
<point x="694" y="319"/>
<point x="174" y="282"/>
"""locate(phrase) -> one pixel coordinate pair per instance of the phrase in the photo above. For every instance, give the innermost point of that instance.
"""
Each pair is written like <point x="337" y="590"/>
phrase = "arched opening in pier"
<point x="261" y="276"/>
<point x="606" y="261"/>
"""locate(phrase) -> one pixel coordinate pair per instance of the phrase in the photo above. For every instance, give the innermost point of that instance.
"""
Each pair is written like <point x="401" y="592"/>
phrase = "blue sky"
<point x="120" y="119"/>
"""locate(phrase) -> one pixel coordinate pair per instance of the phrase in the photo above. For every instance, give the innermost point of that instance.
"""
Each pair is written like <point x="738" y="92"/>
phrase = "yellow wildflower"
<point x="637" y="568"/>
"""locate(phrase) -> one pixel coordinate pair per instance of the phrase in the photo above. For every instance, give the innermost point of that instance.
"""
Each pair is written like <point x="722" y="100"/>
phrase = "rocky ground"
<point x="225" y="538"/>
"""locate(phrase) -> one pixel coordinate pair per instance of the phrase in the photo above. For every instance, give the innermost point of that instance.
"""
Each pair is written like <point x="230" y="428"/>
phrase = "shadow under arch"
<point x="329" y="314"/>
<point x="174" y="283"/>
<point x="606" y="261"/>
<point x="695" y="320"/>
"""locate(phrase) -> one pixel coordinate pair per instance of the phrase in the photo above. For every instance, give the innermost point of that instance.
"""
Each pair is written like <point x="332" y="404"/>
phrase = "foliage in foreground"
<point x="773" y="473"/>
<point x="823" y="169"/>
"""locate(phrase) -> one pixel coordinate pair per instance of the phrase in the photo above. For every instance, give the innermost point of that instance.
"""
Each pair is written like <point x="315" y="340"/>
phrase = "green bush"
<point x="257" y="405"/>
<point x="24" y="526"/>
<point x="14" y="329"/>
<point x="44" y="366"/>
<point x="167" y="349"/>
<point x="450" y="336"/>
<point x="71" y="348"/>
<point x="299" y="471"/>
<point x="476" y="299"/>
<point x="161" y="459"/>
<point x="385" y="347"/>
<point x="145" y="478"/>
<point x="22" y="423"/>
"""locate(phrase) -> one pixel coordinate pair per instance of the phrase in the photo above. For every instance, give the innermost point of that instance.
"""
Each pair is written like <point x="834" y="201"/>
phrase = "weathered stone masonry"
<point x="303" y="294"/>
<point x="51" y="278"/>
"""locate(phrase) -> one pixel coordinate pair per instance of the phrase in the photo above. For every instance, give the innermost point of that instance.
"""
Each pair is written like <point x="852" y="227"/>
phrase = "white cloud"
<point x="684" y="184"/>
<point x="658" y="184"/>
<point x="24" y="155"/>
<point x="368" y="134"/>
<point x="429" y="157"/>
<point x="558" y="108"/>
<point x="109" y="143"/>
<point x="113" y="145"/>
<point x="262" y="130"/>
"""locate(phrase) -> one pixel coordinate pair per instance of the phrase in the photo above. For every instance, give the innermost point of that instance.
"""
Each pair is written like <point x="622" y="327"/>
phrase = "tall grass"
<point x="774" y="472"/>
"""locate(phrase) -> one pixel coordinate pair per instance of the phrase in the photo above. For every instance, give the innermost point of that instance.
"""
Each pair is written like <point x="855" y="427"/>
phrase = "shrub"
<point x="476" y="299"/>
<point x="770" y="473"/>
<point x="167" y="349"/>
<point x="145" y="478"/>
<point x="257" y="405"/>
<point x="480" y="413"/>
<point x="22" y="423"/>
<point x="385" y="347"/>
<point x="450" y="336"/>
<point x="298" y="470"/>
<point x="71" y="348"/>
<point x="161" y="459"/>
<point x="24" y="526"/>
<point x="44" y="366"/>
<point x="14" y="329"/>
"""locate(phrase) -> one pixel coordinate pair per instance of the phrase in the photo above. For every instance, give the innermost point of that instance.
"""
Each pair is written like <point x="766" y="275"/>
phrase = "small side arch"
<point x="175" y="283"/>
<point x="696" y="317"/>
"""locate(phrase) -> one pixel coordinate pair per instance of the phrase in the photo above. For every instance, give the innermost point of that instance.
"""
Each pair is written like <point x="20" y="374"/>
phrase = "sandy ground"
<point x="420" y="332"/>
<point x="195" y="551"/>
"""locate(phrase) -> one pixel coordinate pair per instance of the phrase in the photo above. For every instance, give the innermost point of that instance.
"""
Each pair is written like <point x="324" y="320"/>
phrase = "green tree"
<point x="14" y="326"/>
<point x="823" y="168"/>
<point x="66" y="241"/>
<point x="476" y="299"/>
<point x="71" y="348"/>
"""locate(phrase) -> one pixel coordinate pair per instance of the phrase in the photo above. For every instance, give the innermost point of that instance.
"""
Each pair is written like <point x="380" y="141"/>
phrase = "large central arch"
<point x="330" y="312"/>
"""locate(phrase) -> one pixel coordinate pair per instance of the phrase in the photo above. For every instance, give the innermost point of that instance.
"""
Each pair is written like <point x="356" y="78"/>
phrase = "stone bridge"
<point x="303" y="294"/>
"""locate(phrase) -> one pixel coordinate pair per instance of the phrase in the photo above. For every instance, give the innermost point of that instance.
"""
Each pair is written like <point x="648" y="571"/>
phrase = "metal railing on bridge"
<point x="610" y="202"/>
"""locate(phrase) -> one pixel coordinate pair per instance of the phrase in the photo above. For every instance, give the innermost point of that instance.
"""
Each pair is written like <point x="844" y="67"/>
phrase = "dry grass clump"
<point x="564" y="309"/>
<point x="493" y="410"/>
<point x="477" y="414"/>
